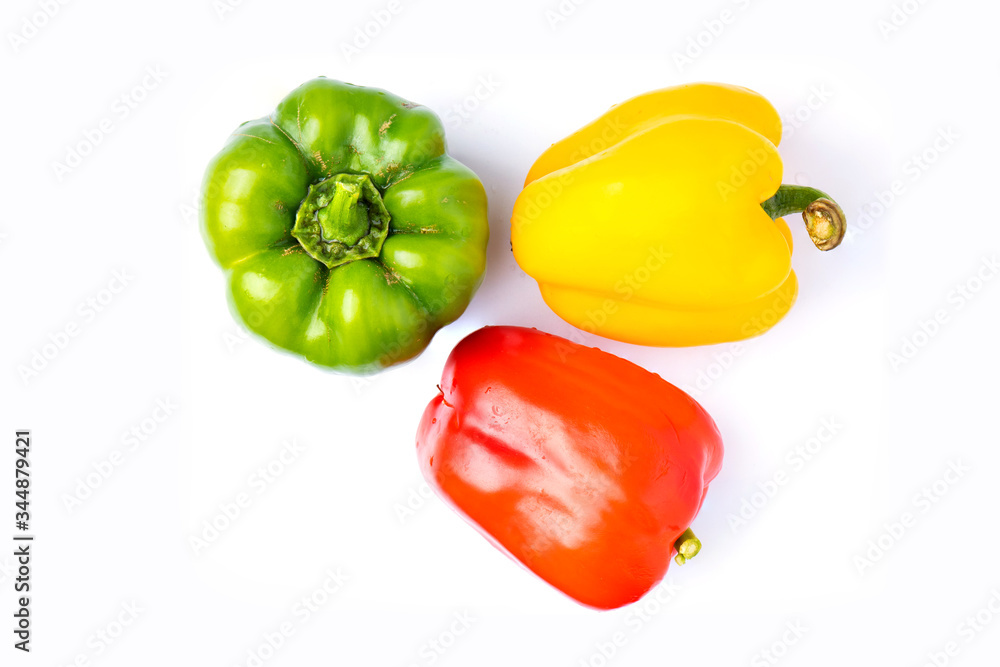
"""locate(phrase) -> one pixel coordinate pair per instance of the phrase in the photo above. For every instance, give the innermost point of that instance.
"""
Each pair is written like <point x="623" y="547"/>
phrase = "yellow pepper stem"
<point x="687" y="546"/>
<point x="825" y="220"/>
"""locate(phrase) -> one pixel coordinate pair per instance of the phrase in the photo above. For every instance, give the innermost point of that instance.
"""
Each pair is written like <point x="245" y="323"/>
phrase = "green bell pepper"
<point x="348" y="234"/>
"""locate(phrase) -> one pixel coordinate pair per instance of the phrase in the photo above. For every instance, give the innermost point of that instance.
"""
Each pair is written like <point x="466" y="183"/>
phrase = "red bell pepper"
<point x="583" y="466"/>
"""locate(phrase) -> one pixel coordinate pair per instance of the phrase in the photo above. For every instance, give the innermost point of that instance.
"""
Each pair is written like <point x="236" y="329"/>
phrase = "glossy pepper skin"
<point x="347" y="233"/>
<point x="653" y="224"/>
<point x="582" y="466"/>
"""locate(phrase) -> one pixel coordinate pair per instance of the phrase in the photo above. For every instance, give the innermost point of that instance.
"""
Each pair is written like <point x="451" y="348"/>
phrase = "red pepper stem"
<point x="687" y="546"/>
<point x="825" y="220"/>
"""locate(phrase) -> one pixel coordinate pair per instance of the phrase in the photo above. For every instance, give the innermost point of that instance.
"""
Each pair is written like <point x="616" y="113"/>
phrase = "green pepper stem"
<point x="687" y="546"/>
<point x="825" y="220"/>
<point x="342" y="219"/>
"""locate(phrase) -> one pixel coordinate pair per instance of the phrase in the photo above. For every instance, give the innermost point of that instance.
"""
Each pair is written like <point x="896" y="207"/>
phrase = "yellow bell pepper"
<point x="660" y="222"/>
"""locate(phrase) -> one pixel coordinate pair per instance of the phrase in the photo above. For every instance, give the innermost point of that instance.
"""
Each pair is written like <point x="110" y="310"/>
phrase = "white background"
<point x="860" y="102"/>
